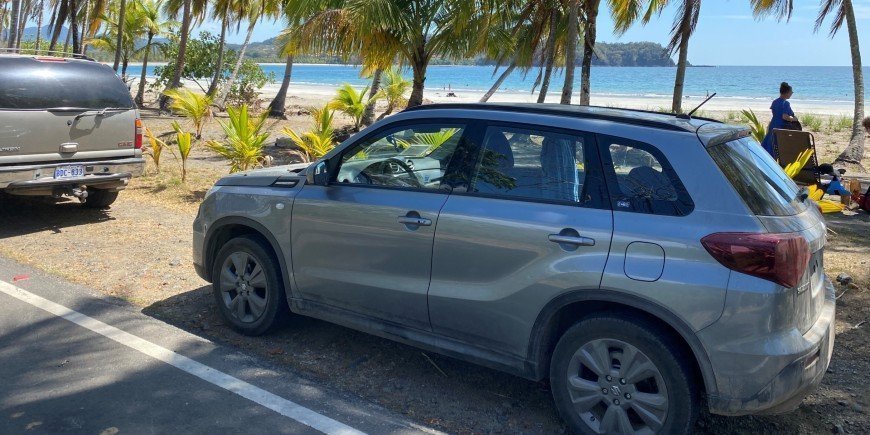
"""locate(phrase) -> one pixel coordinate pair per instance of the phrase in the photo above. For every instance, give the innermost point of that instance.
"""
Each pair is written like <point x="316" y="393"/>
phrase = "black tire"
<point x="616" y="339"/>
<point x="274" y="311"/>
<point x="100" y="198"/>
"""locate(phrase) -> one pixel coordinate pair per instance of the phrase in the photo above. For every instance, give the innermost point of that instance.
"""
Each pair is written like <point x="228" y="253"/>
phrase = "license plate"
<point x="69" y="171"/>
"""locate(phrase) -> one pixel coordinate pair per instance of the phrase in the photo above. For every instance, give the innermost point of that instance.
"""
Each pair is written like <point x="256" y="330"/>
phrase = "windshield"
<point x="759" y="180"/>
<point x="29" y="84"/>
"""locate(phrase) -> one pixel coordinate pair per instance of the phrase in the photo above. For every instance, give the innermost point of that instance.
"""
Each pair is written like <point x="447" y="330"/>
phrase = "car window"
<point x="641" y="180"/>
<point x="28" y="84"/>
<point x="410" y="156"/>
<point x="758" y="179"/>
<point x="532" y="164"/>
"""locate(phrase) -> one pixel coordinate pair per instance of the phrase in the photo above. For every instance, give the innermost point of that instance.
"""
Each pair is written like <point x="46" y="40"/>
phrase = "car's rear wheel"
<point x="613" y="375"/>
<point x="247" y="286"/>
<point x="100" y="198"/>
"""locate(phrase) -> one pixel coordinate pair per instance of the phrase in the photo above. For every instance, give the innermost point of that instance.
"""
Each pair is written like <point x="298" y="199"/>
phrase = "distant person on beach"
<point x="783" y="117"/>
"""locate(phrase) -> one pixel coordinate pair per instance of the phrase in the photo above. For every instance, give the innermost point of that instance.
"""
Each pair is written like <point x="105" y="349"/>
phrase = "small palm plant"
<point x="433" y="140"/>
<point x="755" y="126"/>
<point x="394" y="89"/>
<point x="244" y="144"/>
<point x="156" y="148"/>
<point x="191" y="105"/>
<point x="185" y="144"/>
<point x="315" y="143"/>
<point x="352" y="102"/>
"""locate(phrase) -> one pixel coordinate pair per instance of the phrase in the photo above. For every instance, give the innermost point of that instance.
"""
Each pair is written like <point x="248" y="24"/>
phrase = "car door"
<point x="533" y="224"/>
<point x="363" y="243"/>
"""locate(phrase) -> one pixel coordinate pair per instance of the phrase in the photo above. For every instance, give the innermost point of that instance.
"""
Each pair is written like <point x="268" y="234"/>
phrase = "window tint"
<point x="27" y="84"/>
<point x="526" y="163"/>
<point x="641" y="180"/>
<point x="411" y="156"/>
<point x="758" y="179"/>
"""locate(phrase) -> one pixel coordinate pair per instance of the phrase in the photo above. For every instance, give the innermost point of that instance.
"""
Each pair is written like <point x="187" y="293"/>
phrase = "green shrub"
<point x="244" y="143"/>
<point x="839" y="123"/>
<point x="315" y="143"/>
<point x="811" y="122"/>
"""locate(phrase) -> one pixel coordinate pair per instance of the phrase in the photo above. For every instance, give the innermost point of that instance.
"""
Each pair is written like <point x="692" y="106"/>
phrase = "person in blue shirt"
<point x="782" y="116"/>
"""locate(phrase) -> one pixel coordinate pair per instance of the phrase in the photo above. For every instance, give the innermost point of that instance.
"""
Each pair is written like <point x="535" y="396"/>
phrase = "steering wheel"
<point x="385" y="168"/>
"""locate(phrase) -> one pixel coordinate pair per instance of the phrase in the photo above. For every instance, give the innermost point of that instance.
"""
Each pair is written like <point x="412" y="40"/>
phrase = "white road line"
<point x="255" y="394"/>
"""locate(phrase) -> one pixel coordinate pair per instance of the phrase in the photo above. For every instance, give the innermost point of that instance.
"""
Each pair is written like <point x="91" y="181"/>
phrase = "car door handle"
<point x="416" y="221"/>
<point x="571" y="240"/>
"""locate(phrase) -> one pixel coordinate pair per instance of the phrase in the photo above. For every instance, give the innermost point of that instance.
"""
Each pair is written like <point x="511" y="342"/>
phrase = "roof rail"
<point x="566" y="110"/>
<point x="40" y="52"/>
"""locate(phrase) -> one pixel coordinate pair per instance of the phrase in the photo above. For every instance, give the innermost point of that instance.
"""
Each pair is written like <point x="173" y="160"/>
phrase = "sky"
<point x="727" y="34"/>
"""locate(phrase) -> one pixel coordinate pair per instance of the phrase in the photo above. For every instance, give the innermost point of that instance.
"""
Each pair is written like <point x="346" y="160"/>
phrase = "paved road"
<point x="71" y="360"/>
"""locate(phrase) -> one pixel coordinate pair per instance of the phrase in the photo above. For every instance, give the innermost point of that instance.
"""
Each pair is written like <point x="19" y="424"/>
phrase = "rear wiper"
<point x="101" y="112"/>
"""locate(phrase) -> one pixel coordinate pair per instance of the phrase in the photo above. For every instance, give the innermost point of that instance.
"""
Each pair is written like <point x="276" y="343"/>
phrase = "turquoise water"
<point x="820" y="83"/>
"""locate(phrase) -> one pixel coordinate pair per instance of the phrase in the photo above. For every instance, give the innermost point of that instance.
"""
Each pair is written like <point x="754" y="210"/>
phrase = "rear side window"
<point x="537" y="165"/>
<point x="757" y="178"/>
<point x="641" y="180"/>
<point x="28" y="84"/>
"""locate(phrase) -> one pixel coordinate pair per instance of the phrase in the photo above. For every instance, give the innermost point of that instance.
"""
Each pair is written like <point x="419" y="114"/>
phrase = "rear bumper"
<point x="809" y="359"/>
<point x="39" y="178"/>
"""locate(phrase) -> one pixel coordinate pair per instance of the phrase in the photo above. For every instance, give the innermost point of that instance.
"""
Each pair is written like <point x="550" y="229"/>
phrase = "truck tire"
<point x="100" y="198"/>
<point x="612" y="374"/>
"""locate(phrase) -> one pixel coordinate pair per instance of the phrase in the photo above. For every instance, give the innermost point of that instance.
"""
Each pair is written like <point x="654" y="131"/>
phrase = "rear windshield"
<point x="758" y="179"/>
<point x="28" y="84"/>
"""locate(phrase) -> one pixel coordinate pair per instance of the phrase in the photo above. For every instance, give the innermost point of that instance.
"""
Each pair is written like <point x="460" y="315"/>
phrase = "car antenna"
<point x="689" y="115"/>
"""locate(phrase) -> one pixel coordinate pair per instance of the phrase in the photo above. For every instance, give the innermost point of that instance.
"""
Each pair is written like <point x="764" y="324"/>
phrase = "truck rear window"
<point x="757" y="178"/>
<point x="29" y="84"/>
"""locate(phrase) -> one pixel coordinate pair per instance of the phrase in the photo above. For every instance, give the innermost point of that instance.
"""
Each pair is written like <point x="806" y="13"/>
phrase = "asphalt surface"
<point x="59" y="376"/>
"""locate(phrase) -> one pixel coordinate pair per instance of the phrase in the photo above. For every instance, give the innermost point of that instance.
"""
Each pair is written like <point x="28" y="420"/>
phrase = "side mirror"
<point x="319" y="174"/>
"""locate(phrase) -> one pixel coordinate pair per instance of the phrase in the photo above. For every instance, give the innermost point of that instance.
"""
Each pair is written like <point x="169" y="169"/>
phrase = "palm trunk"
<point x="122" y="10"/>
<point x="685" y="30"/>
<point x="550" y="56"/>
<point x="229" y="84"/>
<point x="60" y="19"/>
<point x="124" y="62"/>
<point x="419" y="65"/>
<point x="74" y="26"/>
<point x="219" y="67"/>
<point x="504" y="75"/>
<point x="276" y="107"/>
<point x="140" y="94"/>
<point x="85" y="26"/>
<point x="22" y="21"/>
<point x="854" y="153"/>
<point x="570" y="53"/>
<point x="369" y="114"/>
<point x="66" y="41"/>
<point x="39" y="24"/>
<point x="182" y="51"/>
<point x="589" y="30"/>
<point x="13" y="23"/>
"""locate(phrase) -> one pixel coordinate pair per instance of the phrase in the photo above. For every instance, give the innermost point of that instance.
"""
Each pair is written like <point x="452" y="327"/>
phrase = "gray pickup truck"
<point x="68" y="127"/>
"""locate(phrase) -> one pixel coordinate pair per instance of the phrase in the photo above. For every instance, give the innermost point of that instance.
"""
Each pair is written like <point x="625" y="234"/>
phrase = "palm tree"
<point x="843" y="12"/>
<point x="253" y="11"/>
<point x="150" y="20"/>
<point x="131" y="27"/>
<point x="223" y="11"/>
<point x="570" y="52"/>
<point x="412" y="31"/>
<point x="352" y="103"/>
<point x="122" y="14"/>
<point x="13" y="23"/>
<point x="189" y="10"/>
<point x="394" y="89"/>
<point x="276" y="107"/>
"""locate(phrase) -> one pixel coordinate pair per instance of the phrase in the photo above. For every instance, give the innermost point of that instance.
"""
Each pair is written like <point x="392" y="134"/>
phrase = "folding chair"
<point x="789" y="144"/>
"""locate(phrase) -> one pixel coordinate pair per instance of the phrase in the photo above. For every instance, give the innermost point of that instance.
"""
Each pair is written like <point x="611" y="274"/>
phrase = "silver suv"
<point x="646" y="264"/>
<point x="67" y="127"/>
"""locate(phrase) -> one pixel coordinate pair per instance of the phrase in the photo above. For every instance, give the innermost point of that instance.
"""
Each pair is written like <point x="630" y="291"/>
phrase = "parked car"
<point x="646" y="264"/>
<point x="68" y="126"/>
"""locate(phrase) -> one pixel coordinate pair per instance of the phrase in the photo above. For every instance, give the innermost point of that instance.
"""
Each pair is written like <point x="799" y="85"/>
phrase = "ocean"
<point x="822" y="84"/>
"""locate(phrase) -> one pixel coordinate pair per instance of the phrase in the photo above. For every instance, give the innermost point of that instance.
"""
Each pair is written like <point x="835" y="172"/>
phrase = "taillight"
<point x="781" y="258"/>
<point x="138" y="138"/>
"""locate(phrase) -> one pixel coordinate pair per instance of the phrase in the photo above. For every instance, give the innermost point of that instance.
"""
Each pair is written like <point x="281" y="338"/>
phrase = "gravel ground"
<point x="139" y="250"/>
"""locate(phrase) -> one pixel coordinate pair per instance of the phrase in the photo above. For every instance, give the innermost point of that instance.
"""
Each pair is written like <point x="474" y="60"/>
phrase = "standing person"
<point x="783" y="117"/>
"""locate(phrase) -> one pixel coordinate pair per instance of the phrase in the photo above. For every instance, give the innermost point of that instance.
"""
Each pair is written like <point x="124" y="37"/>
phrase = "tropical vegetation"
<point x="243" y="147"/>
<point x="318" y="141"/>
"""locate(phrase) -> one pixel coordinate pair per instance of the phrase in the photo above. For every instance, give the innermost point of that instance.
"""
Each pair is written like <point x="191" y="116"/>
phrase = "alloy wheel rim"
<point x="616" y="388"/>
<point x="244" y="288"/>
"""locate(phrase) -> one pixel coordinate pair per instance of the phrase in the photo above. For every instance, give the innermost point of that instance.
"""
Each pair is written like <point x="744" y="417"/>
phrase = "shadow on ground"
<point x="20" y="215"/>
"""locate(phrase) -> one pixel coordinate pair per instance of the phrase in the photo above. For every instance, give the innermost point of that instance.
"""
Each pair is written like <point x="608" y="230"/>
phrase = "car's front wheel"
<point x="247" y="286"/>
<point x="610" y="374"/>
